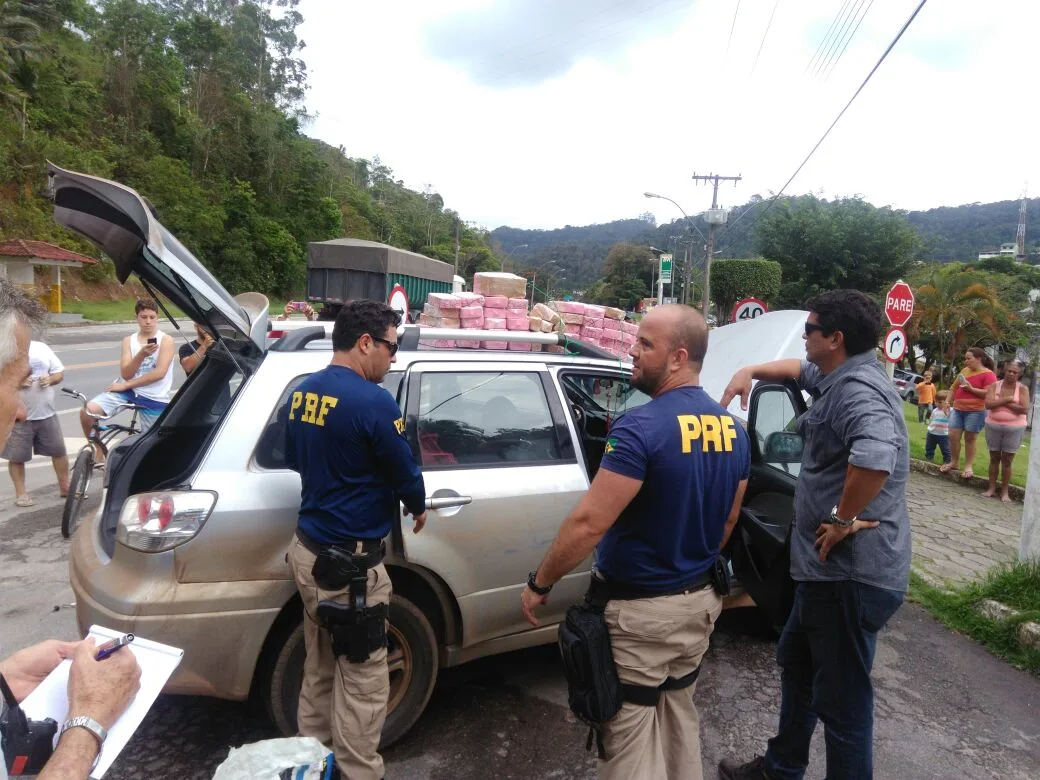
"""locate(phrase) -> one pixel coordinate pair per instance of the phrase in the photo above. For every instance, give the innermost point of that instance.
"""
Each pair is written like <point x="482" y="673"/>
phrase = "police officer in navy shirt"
<point x="665" y="500"/>
<point x="345" y="437"/>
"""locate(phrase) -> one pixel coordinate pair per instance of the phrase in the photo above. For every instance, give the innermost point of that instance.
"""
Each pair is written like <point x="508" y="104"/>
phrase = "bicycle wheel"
<point x="78" y="486"/>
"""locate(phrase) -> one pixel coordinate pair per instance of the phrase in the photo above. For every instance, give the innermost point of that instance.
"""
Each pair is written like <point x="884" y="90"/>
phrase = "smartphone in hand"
<point x="153" y="341"/>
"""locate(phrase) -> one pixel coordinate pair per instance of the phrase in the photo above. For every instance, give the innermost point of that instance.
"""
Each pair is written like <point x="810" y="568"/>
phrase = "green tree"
<point x="626" y="273"/>
<point x="845" y="243"/>
<point x="732" y="280"/>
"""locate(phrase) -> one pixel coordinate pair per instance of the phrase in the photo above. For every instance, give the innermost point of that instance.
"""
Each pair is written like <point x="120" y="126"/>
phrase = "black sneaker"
<point x="755" y="769"/>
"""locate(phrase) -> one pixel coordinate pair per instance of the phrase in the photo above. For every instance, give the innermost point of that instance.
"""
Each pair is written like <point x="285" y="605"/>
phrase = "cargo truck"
<point x="347" y="269"/>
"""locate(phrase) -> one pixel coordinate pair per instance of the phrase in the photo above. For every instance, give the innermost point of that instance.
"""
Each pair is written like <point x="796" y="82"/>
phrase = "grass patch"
<point x="1016" y="585"/>
<point x="917" y="431"/>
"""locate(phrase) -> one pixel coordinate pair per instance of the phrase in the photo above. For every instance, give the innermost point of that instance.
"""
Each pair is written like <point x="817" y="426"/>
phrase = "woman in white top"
<point x="145" y="370"/>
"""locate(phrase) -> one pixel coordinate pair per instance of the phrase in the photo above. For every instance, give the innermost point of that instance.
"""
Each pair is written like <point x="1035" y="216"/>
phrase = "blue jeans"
<point x="826" y="652"/>
<point x="930" y="443"/>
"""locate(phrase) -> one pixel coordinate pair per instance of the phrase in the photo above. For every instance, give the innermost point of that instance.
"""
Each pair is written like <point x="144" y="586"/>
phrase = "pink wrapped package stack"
<point x="591" y="335"/>
<point x="517" y="321"/>
<point x="470" y="299"/>
<point x="596" y="312"/>
<point x="593" y="322"/>
<point x="629" y="327"/>
<point x="495" y="344"/>
<point x="613" y="336"/>
<point x="520" y="347"/>
<point x="496" y="302"/>
<point x="574" y="319"/>
<point x="547" y="326"/>
<point x="438" y="322"/>
<point x="517" y="304"/>
<point x="572" y="330"/>
<point x="444" y="301"/>
<point x="494" y="323"/>
<point x="609" y="324"/>
<point x="570" y="307"/>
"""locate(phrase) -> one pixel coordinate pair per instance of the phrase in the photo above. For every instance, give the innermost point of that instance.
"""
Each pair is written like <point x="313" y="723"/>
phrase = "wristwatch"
<point x="99" y="732"/>
<point x="839" y="522"/>
<point x="533" y="586"/>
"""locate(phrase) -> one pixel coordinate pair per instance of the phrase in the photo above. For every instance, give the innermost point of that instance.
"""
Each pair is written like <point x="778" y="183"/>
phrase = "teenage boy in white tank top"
<point x="145" y="371"/>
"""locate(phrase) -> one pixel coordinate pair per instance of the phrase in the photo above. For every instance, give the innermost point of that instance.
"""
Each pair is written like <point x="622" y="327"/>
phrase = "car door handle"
<point x="448" y="502"/>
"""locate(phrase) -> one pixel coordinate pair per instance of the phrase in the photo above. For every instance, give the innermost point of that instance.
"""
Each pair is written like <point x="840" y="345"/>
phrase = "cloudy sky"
<point x="544" y="113"/>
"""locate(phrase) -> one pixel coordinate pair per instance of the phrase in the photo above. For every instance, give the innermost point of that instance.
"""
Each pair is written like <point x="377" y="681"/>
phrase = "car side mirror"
<point x="783" y="447"/>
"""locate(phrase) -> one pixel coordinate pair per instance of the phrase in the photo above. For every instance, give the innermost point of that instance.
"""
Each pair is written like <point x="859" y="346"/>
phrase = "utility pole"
<point x="456" y="247"/>
<point x="716" y="217"/>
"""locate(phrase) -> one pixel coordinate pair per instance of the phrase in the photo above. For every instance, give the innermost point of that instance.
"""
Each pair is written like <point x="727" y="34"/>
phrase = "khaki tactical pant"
<point x="654" y="639"/>
<point x="341" y="703"/>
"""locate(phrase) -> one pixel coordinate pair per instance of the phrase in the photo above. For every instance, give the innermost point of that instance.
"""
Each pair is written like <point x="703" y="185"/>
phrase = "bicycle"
<point x="99" y="438"/>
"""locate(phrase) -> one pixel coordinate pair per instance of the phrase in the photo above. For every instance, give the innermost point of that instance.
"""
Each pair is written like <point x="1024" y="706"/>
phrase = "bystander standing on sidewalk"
<point x="40" y="432"/>
<point x="969" y="408"/>
<point x="1006" y="403"/>
<point x="925" y="396"/>
<point x="939" y="430"/>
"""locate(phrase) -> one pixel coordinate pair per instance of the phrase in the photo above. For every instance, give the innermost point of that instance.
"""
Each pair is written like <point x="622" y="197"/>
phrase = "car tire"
<point x="412" y="656"/>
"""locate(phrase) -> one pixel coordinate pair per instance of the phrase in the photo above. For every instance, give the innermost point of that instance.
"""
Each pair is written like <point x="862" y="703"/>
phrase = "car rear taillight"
<point x="275" y="334"/>
<point x="154" y="522"/>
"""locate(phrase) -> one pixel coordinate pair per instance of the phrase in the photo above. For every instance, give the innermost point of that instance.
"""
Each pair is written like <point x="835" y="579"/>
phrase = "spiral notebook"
<point x="157" y="661"/>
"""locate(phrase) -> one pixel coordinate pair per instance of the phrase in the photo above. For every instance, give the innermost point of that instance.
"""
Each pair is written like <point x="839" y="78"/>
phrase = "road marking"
<point x="100" y="364"/>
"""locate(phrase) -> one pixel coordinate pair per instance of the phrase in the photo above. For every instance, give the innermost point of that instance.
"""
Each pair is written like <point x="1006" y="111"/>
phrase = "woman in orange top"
<point x="1007" y="402"/>
<point x="969" y="407"/>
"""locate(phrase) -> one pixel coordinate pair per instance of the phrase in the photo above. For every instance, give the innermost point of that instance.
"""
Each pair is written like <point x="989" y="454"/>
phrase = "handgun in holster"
<point x="356" y="629"/>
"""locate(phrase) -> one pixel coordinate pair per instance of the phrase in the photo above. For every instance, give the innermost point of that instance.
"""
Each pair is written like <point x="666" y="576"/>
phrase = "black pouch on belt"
<point x="593" y="686"/>
<point x="333" y="569"/>
<point x="720" y="576"/>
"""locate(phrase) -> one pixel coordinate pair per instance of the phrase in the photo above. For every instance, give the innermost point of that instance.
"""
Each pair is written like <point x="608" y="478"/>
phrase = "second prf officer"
<point x="344" y="435"/>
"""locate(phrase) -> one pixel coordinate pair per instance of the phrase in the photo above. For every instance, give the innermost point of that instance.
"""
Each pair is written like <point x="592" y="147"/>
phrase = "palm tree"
<point x="18" y="34"/>
<point x="949" y="302"/>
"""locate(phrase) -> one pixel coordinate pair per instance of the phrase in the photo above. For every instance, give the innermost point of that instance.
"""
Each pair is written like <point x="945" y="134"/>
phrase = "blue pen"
<point x="112" y="646"/>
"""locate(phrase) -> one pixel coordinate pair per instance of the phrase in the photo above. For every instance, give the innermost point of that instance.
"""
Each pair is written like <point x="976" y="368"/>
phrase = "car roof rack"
<point x="410" y="337"/>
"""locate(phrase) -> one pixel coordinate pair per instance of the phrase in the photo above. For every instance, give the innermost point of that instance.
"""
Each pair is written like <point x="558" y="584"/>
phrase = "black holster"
<point x="356" y="630"/>
<point x="720" y="580"/>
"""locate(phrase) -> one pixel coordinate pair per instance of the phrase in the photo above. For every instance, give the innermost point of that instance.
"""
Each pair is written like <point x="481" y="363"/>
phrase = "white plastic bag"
<point x="300" y="758"/>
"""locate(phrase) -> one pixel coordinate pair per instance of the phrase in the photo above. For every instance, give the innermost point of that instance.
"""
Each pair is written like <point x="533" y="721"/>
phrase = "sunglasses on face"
<point x="393" y="346"/>
<point x="810" y="328"/>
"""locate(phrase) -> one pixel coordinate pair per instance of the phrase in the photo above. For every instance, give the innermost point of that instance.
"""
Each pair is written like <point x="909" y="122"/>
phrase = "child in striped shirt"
<point x="939" y="429"/>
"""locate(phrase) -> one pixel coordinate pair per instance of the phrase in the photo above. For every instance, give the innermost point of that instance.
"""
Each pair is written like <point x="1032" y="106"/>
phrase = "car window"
<point x="484" y="419"/>
<point x="270" y="450"/>
<point x="606" y="394"/>
<point x="774" y="425"/>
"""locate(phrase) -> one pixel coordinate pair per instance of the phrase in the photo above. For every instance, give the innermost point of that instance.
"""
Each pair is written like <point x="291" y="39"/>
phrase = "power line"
<point x="732" y="28"/>
<point x="826" y="38"/>
<point x="765" y="35"/>
<point x="853" y="35"/>
<point x="798" y="170"/>
<point x="836" y="42"/>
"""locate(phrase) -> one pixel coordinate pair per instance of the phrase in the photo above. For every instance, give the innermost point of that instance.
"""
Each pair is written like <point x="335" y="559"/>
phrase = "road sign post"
<point x="899" y="308"/>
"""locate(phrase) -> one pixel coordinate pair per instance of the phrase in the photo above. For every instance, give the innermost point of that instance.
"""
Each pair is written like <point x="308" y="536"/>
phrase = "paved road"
<point x="945" y="707"/>
<point x="91" y="357"/>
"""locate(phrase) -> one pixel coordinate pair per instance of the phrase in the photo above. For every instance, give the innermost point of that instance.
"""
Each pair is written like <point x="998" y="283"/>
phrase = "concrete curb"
<point x="1028" y="632"/>
<point x="923" y="466"/>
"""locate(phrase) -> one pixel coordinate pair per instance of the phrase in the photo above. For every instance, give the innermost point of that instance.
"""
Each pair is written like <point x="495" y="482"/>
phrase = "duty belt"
<point x="622" y="591"/>
<point x="366" y="553"/>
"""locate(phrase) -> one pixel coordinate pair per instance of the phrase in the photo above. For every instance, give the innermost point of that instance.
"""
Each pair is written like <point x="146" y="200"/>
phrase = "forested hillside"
<point x="199" y="106"/>
<point x="949" y="233"/>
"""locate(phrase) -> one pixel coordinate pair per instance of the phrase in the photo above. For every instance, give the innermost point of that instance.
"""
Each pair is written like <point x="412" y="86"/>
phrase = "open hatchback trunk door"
<point x="122" y="223"/>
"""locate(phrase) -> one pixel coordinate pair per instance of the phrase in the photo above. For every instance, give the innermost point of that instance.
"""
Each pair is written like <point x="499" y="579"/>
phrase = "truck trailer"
<point x="347" y="269"/>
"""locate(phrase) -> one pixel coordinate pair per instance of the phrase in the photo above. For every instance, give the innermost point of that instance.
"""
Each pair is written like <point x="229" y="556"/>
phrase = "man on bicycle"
<point x="145" y="370"/>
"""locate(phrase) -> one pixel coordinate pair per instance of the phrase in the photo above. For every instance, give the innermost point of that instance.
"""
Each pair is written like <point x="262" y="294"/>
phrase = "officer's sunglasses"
<point x="811" y="327"/>
<point x="393" y="346"/>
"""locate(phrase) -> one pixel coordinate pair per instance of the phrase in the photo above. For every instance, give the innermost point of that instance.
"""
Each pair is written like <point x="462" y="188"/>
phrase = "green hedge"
<point x="732" y="280"/>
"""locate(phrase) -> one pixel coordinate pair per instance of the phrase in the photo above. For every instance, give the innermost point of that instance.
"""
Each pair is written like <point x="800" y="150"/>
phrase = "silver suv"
<point x="189" y="544"/>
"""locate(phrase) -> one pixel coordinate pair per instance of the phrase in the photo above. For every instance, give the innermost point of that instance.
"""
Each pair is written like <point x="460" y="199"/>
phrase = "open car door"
<point x="760" y="548"/>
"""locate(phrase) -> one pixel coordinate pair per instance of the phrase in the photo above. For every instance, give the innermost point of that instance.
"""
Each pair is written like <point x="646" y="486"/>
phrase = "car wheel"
<point x="411" y="656"/>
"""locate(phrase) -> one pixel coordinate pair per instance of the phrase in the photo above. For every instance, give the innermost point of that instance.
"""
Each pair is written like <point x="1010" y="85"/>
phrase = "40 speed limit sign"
<point x="748" y="309"/>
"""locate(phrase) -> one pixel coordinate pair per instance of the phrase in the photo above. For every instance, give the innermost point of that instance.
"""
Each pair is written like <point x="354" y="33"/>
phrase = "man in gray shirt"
<point x="851" y="574"/>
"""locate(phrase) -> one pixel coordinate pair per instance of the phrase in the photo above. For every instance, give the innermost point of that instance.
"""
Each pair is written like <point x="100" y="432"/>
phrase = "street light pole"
<point x="689" y="221"/>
